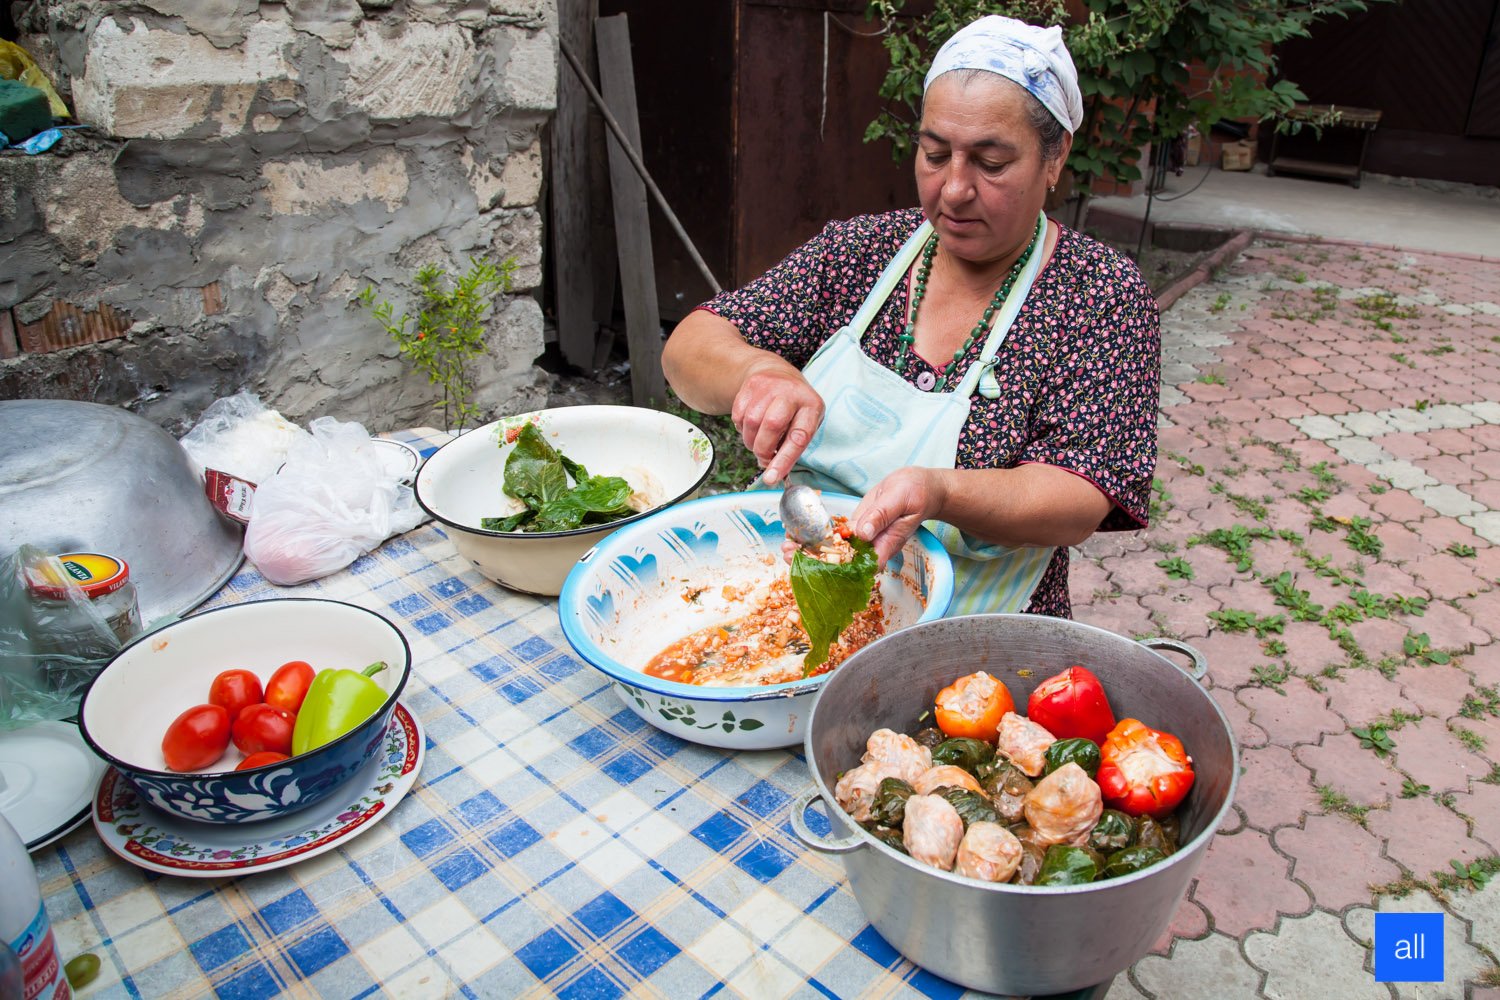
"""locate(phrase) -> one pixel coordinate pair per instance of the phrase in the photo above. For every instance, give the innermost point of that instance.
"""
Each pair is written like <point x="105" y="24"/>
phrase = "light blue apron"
<point x="876" y="422"/>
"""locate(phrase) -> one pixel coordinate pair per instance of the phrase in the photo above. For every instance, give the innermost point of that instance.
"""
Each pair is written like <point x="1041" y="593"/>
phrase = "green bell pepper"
<point x="337" y="701"/>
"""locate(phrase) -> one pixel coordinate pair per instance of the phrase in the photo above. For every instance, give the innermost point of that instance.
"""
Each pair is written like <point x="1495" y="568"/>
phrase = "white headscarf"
<point x="1033" y="57"/>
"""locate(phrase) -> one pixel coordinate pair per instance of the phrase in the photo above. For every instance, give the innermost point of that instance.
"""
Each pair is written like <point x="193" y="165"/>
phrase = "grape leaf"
<point x="829" y="595"/>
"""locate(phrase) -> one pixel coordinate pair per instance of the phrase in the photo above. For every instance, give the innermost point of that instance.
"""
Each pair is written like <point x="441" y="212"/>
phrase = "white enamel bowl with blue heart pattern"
<point x="661" y="578"/>
<point x="127" y="709"/>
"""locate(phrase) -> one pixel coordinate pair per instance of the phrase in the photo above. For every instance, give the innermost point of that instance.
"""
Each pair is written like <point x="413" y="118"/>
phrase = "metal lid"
<point x="82" y="477"/>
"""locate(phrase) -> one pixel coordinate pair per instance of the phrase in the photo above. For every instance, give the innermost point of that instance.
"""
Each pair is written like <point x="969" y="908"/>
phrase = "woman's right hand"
<point x="776" y="412"/>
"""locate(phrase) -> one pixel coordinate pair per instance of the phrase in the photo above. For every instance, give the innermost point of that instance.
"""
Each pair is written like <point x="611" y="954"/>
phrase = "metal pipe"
<point x="640" y="167"/>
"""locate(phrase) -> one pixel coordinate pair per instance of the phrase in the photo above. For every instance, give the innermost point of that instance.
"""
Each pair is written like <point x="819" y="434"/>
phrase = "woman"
<point x="970" y="364"/>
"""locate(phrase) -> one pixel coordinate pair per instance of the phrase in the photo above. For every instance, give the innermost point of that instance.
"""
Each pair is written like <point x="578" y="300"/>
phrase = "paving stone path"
<point x="1327" y="532"/>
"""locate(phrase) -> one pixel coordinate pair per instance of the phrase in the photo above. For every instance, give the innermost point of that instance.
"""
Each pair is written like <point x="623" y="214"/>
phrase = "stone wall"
<point x="250" y="168"/>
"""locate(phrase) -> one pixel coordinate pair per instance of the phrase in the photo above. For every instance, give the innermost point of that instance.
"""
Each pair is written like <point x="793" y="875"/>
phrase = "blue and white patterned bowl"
<point x="127" y="709"/>
<point x="634" y="593"/>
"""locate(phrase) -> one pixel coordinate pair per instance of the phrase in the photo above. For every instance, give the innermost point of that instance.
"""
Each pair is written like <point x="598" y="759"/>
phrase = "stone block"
<point x="466" y="12"/>
<point x="521" y="180"/>
<point x="527" y="63"/>
<point x="422" y="69"/>
<point x="85" y="212"/>
<point x="141" y="82"/>
<point x="223" y="22"/>
<point x="331" y="20"/>
<point x="305" y="187"/>
<point x="523" y="8"/>
<point x="520" y="237"/>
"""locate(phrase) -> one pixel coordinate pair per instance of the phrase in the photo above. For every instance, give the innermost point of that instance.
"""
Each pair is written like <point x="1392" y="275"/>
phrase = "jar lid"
<point x="93" y="572"/>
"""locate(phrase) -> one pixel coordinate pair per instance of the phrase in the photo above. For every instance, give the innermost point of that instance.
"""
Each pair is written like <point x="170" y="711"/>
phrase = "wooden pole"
<point x="572" y="198"/>
<point x="648" y="386"/>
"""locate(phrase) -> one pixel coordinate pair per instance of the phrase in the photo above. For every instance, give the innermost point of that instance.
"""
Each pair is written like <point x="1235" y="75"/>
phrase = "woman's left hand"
<point x="893" y="511"/>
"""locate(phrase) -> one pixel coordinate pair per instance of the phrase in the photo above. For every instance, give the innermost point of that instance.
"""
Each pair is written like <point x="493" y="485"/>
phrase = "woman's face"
<point x="981" y="178"/>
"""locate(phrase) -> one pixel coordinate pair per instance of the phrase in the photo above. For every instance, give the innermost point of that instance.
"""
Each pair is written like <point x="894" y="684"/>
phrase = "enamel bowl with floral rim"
<point x="661" y="578"/>
<point x="663" y="457"/>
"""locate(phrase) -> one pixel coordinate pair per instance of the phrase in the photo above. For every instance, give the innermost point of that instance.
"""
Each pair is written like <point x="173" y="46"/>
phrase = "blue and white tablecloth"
<point x="554" y="844"/>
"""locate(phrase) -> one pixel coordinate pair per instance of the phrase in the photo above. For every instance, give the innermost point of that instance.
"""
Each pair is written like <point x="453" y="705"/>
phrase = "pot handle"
<point x="1199" y="669"/>
<point x="817" y="843"/>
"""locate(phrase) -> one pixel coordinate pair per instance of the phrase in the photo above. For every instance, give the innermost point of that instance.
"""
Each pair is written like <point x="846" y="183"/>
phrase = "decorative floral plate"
<point x="151" y="839"/>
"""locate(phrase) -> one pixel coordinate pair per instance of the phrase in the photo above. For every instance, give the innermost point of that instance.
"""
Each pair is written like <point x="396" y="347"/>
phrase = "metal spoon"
<point x="803" y="516"/>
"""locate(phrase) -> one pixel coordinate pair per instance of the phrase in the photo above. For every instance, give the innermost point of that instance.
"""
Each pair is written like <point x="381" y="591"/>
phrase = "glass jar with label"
<point x="93" y="628"/>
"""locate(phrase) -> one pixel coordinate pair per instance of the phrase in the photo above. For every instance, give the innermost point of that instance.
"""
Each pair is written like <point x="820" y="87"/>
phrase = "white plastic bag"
<point x="239" y="435"/>
<point x="335" y="499"/>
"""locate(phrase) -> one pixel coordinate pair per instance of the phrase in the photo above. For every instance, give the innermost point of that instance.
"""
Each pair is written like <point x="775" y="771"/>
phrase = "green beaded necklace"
<point x="996" y="301"/>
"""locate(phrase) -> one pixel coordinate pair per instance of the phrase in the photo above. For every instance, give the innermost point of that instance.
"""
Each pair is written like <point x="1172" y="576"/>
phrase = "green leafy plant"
<point x="1418" y="646"/>
<point x="1374" y="737"/>
<point x="1461" y="550"/>
<point x="1485" y="703"/>
<point x="447" y="334"/>
<point x="1411" y="789"/>
<point x="1334" y="800"/>
<point x="1477" y="872"/>
<point x="1235" y="541"/>
<point x="1270" y="675"/>
<point x="1297" y="601"/>
<point x="1469" y="738"/>
<point x="1176" y="567"/>
<point x="1134" y="63"/>
<point x="1239" y="620"/>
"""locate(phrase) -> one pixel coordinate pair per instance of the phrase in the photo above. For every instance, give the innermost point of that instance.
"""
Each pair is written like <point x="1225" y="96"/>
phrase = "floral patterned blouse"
<point x="1079" y="371"/>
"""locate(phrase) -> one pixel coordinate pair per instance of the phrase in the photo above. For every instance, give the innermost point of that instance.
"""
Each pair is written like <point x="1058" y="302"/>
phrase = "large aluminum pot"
<point x="1004" y="938"/>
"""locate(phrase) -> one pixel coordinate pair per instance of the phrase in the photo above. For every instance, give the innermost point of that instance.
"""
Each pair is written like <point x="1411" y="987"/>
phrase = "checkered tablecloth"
<point x="554" y="844"/>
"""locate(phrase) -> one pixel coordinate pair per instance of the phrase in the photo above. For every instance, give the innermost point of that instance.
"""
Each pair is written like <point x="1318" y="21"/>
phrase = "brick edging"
<point x="1272" y="234"/>
<point x="1224" y="254"/>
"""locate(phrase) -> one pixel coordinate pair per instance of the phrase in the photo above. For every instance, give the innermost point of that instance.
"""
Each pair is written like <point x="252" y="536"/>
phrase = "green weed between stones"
<point x="1374" y="737"/>
<point x="1468" y="738"/>
<point x="1485" y="702"/>
<point x="1177" y="568"/>
<point x="1418" y="646"/>
<point x="1335" y="801"/>
<point x="1271" y="675"/>
<point x="1411" y="789"/>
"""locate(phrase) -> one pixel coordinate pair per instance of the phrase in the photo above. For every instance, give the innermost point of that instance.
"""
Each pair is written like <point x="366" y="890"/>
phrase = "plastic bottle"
<point x="24" y="924"/>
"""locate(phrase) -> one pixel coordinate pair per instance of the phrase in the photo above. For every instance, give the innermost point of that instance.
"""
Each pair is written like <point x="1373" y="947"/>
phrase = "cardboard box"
<point x="1238" y="155"/>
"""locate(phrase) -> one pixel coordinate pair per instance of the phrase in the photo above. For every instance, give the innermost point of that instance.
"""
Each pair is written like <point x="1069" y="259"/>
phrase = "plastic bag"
<point x="239" y="435"/>
<point x="39" y="679"/>
<point x="334" y="500"/>
<point x="16" y="64"/>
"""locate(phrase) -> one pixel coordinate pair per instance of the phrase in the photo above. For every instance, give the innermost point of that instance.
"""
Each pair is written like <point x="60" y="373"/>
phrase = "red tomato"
<point x="288" y="685"/>
<point x="196" y="738"/>
<point x="235" y="690"/>
<point x="1071" y="705"/>
<point x="264" y="727"/>
<point x="973" y="706"/>
<point x="263" y="759"/>
<point x="1143" y="771"/>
